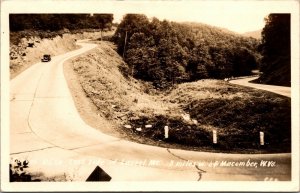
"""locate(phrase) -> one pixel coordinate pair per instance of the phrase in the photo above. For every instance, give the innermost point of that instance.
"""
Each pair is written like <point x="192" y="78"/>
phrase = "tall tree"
<point x="104" y="21"/>
<point x="131" y="23"/>
<point x="276" y="50"/>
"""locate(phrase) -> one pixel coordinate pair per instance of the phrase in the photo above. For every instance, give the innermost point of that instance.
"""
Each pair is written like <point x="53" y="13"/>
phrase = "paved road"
<point x="46" y="129"/>
<point x="281" y="90"/>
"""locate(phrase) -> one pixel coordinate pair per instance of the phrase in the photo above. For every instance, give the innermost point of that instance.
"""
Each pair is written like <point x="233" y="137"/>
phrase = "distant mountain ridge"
<point x="255" y="34"/>
<point x="217" y="28"/>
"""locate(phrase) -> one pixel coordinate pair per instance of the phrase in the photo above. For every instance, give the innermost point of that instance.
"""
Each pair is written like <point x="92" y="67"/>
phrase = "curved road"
<point x="281" y="90"/>
<point x="46" y="129"/>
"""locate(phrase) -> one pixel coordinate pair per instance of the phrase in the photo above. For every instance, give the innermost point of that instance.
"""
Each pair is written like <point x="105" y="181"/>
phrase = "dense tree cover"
<point x="276" y="50"/>
<point x="166" y="52"/>
<point x="55" y="22"/>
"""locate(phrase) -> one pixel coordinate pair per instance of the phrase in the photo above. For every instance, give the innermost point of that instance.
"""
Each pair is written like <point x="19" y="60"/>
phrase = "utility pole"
<point x="125" y="44"/>
<point x="132" y="71"/>
<point x="124" y="49"/>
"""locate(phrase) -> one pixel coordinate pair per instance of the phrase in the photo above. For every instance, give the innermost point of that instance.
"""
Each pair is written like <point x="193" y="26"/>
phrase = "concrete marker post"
<point x="215" y="138"/>
<point x="262" y="138"/>
<point x="166" y="132"/>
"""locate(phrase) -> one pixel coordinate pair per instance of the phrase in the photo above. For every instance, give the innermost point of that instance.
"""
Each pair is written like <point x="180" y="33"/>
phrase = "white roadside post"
<point x="215" y="139"/>
<point x="127" y="126"/>
<point x="166" y="132"/>
<point x="262" y="136"/>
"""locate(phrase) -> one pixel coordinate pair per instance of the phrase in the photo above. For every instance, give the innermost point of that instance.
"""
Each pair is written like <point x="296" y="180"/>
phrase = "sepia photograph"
<point x="149" y="95"/>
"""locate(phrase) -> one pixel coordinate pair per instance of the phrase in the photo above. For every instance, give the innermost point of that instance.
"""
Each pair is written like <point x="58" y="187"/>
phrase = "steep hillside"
<point x="191" y="110"/>
<point x="28" y="47"/>
<point x="116" y="96"/>
<point x="31" y="50"/>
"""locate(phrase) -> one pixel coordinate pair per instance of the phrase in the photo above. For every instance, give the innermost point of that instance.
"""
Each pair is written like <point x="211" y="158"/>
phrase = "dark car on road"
<point x="46" y="58"/>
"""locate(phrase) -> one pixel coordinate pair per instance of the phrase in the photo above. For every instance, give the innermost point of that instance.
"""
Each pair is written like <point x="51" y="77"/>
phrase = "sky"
<point x="238" y="16"/>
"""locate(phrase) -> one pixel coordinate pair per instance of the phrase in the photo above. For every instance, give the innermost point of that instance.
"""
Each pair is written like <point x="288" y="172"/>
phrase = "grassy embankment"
<point x="237" y="113"/>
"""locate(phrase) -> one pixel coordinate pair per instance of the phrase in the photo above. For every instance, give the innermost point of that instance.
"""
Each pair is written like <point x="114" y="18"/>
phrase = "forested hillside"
<point x="52" y="25"/>
<point x="166" y="52"/>
<point x="54" y="22"/>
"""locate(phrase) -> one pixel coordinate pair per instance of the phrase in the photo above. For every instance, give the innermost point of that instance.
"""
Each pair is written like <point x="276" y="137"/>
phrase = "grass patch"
<point x="237" y="113"/>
